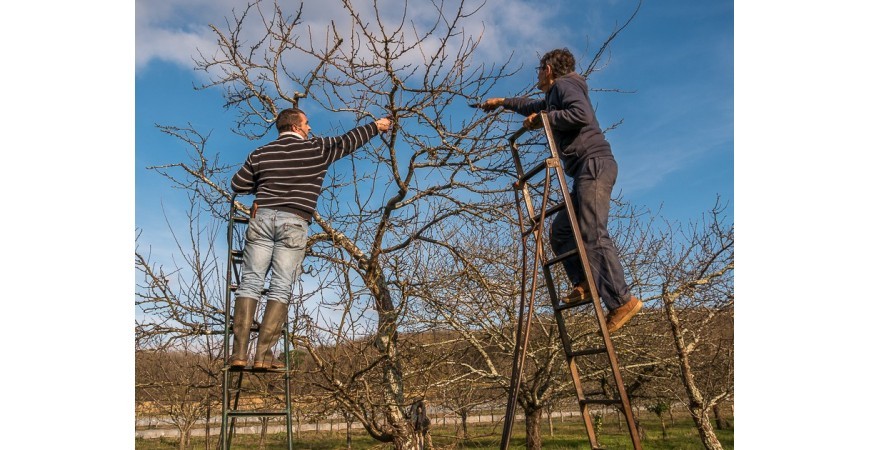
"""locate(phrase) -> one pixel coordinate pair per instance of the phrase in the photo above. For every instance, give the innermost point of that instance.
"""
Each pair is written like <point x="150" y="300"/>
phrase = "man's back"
<point x="287" y="174"/>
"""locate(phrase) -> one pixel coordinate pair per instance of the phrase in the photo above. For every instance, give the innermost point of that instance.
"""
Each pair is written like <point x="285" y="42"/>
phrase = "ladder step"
<point x="563" y="305"/>
<point x="261" y="413"/>
<point x="600" y="402"/>
<point x="236" y="254"/>
<point x="251" y="369"/>
<point x="240" y="219"/>
<point x="535" y="170"/>
<point x="589" y="351"/>
<point x="561" y="257"/>
<point x="534" y="220"/>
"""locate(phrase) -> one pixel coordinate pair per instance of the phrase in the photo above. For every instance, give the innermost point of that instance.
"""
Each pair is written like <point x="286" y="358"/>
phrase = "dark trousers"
<point x="593" y="185"/>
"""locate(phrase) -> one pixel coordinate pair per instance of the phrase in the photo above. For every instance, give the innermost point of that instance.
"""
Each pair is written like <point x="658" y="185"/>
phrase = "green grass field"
<point x="567" y="434"/>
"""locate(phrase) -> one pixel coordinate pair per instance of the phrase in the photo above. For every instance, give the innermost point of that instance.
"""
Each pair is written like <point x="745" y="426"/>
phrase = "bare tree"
<point x="382" y="223"/>
<point x="437" y="169"/>
<point x="474" y="289"/>
<point x="172" y="384"/>
<point x="697" y="295"/>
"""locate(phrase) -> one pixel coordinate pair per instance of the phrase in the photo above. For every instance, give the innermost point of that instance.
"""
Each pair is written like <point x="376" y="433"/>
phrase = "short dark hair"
<point x="560" y="60"/>
<point x="287" y="118"/>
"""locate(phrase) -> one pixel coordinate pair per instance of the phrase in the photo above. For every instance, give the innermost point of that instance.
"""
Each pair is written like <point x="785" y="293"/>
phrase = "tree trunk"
<point x="641" y="432"/>
<point x="385" y="342"/>
<point x="428" y="436"/>
<point x="533" y="429"/>
<point x="463" y="416"/>
<point x="696" y="398"/>
<point x="721" y="422"/>
<point x="207" y="425"/>
<point x="550" y="420"/>
<point x="705" y="428"/>
<point x="184" y="437"/>
<point x="348" y="422"/>
<point x="664" y="429"/>
<point x="298" y="421"/>
<point x="264" y="426"/>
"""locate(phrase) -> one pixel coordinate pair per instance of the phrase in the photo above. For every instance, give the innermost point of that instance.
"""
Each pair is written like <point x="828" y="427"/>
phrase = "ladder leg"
<point x="287" y="397"/>
<point x="623" y="402"/>
<point x="230" y="405"/>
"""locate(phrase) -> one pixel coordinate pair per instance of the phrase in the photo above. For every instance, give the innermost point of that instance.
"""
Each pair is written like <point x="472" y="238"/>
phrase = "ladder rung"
<point x="261" y="413"/>
<point x="600" y="402"/>
<point x="236" y="253"/>
<point x="589" y="351"/>
<point x="550" y="212"/>
<point x="535" y="170"/>
<point x="253" y="370"/>
<point x="563" y="305"/>
<point x="561" y="257"/>
<point x="240" y="219"/>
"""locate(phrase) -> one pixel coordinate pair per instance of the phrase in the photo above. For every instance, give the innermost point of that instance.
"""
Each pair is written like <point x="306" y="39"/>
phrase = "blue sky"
<point x="674" y="148"/>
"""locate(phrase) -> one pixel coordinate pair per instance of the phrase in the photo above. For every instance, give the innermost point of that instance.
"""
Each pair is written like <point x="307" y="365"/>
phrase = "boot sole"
<point x="572" y="300"/>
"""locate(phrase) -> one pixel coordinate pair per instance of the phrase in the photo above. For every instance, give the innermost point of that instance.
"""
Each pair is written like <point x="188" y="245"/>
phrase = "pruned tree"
<point x="697" y="295"/>
<point x="430" y="169"/>
<point x="390" y="217"/>
<point x="174" y="385"/>
<point x="473" y="288"/>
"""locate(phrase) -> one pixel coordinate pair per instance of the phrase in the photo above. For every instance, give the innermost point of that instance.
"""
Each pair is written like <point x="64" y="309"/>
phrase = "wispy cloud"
<point x="176" y="30"/>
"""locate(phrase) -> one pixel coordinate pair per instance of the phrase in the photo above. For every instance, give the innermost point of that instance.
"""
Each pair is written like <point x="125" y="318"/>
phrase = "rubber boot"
<point x="243" y="316"/>
<point x="270" y="330"/>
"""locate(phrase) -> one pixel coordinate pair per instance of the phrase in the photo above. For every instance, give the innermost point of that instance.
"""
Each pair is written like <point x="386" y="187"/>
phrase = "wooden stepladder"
<point x="233" y="377"/>
<point x="536" y="219"/>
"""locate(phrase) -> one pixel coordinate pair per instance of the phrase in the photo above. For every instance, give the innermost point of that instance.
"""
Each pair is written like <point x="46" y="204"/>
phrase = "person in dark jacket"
<point x="587" y="158"/>
<point x="287" y="176"/>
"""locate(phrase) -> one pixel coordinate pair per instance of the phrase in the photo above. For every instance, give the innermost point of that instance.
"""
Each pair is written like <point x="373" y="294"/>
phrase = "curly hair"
<point x="287" y="118"/>
<point x="560" y="60"/>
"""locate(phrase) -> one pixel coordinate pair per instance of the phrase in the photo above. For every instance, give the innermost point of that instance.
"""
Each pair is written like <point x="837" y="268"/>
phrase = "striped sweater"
<point x="287" y="174"/>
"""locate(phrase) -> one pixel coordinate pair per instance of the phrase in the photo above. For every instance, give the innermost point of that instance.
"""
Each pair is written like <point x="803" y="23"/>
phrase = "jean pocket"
<point x="256" y="229"/>
<point x="294" y="234"/>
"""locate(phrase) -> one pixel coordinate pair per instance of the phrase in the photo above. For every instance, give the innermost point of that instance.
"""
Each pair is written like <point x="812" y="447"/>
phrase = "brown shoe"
<point x="619" y="316"/>
<point x="579" y="293"/>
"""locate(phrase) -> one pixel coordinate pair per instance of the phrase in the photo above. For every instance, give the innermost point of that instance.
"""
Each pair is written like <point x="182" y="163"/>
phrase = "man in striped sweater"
<point x="287" y="176"/>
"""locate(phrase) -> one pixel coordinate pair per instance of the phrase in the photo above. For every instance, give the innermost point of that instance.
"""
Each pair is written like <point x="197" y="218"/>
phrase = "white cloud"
<point x="175" y="30"/>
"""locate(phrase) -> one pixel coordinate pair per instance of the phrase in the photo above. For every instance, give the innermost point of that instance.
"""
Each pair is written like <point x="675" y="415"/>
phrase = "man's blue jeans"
<point x="593" y="185"/>
<point x="274" y="239"/>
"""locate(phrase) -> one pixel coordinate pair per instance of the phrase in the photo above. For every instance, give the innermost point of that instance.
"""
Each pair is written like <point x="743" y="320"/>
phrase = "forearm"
<point x="242" y="182"/>
<point x="524" y="106"/>
<point x="345" y="144"/>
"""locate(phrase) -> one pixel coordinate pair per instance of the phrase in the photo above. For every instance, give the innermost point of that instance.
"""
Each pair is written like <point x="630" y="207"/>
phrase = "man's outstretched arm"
<point x="341" y="146"/>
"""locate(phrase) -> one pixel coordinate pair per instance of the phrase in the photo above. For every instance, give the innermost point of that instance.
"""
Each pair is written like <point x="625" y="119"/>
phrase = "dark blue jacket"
<point x="572" y="118"/>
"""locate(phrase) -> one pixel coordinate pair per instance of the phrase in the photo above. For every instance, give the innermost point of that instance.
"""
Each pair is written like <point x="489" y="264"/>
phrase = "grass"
<point x="570" y="434"/>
